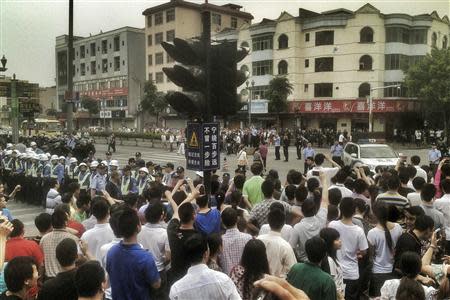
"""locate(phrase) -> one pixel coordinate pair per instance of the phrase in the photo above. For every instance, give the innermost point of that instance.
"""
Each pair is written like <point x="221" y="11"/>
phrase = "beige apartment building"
<point x="181" y="19"/>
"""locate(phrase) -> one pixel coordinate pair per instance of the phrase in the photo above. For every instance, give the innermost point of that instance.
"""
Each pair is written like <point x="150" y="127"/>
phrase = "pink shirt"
<point x="263" y="150"/>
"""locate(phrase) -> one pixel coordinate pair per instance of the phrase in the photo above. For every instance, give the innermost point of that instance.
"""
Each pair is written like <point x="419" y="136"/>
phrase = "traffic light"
<point x="191" y="75"/>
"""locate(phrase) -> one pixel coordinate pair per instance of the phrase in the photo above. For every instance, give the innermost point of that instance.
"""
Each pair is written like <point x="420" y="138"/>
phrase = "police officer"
<point x="98" y="182"/>
<point x="113" y="166"/>
<point x="56" y="169"/>
<point x="84" y="176"/>
<point x="128" y="182"/>
<point x="143" y="180"/>
<point x="336" y="153"/>
<point x="308" y="152"/>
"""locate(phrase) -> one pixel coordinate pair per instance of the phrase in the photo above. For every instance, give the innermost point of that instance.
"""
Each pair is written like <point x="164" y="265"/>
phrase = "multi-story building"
<point x="25" y="92"/>
<point x="336" y="59"/>
<point x="108" y="67"/>
<point x="47" y="99"/>
<point x="182" y="19"/>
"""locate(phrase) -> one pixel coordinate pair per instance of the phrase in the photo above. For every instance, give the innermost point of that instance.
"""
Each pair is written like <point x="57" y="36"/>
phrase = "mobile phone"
<point x="315" y="173"/>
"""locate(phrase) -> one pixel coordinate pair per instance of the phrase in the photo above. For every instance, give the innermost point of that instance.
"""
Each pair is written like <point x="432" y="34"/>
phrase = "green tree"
<point x="279" y="89"/>
<point x="153" y="102"/>
<point x="429" y="81"/>
<point x="91" y="105"/>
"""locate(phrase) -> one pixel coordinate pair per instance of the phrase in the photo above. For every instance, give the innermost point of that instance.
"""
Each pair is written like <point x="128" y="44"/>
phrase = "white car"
<point x="369" y="154"/>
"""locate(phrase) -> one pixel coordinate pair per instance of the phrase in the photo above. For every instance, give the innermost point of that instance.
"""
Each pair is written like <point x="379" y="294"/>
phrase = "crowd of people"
<point x="146" y="231"/>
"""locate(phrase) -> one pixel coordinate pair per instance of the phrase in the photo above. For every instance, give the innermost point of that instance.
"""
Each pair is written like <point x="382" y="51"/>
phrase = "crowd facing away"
<point x="150" y="232"/>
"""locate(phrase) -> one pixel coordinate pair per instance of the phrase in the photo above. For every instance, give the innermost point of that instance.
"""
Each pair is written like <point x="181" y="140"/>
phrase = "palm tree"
<point x="279" y="89"/>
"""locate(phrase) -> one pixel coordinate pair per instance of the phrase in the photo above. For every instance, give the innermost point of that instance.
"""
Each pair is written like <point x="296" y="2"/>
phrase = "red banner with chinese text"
<point x="102" y="94"/>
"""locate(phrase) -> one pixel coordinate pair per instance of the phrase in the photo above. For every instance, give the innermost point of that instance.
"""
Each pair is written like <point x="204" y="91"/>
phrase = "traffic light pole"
<point x="206" y="39"/>
<point x="69" y="104"/>
<point x="14" y="111"/>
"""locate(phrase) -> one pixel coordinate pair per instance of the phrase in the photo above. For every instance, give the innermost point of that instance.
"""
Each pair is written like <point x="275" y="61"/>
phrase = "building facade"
<point x="335" y="60"/>
<point x="181" y="19"/>
<point x="109" y="68"/>
<point x="48" y="100"/>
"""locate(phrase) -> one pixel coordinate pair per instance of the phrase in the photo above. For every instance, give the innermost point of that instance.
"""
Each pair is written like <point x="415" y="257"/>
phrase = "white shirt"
<point x="336" y="274"/>
<point x="330" y="172"/>
<point x="153" y="237"/>
<point x="280" y="253"/>
<point x="286" y="231"/>
<point x="384" y="258"/>
<point x="421" y="173"/>
<point x="345" y="192"/>
<point x="390" y="287"/>
<point x="96" y="237"/>
<point x="201" y="282"/>
<point x="443" y="205"/>
<point x="414" y="198"/>
<point x="353" y="239"/>
<point x="341" y="138"/>
<point x="102" y="259"/>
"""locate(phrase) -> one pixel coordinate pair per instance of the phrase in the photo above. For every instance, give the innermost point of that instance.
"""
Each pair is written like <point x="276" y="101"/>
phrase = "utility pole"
<point x="69" y="104"/>
<point x="14" y="111"/>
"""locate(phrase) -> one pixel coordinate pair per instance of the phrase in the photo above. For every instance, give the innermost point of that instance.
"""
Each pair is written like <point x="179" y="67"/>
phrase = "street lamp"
<point x="139" y="108"/>
<point x="3" y="61"/>
<point x="370" y="101"/>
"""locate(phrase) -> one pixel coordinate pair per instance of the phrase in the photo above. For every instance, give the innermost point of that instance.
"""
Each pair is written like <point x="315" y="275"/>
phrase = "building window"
<point x="149" y="21"/>
<point x="259" y="92"/>
<point x="418" y="36"/>
<point x="93" y="68"/>
<point x="262" y="43"/>
<point x="82" y="52"/>
<point x="395" y="61"/>
<point x="323" y="64"/>
<point x="124" y="83"/>
<point x="234" y="22"/>
<point x="158" y="18"/>
<point x="282" y="67"/>
<point x="115" y="84"/>
<point x="149" y="40"/>
<point x="104" y="65"/>
<point x="444" y="42"/>
<point x="170" y="15"/>
<point x="159" y="38"/>
<point x="116" y="43"/>
<point x="244" y="44"/>
<point x="123" y="43"/>
<point x="283" y="41"/>
<point x="82" y="69"/>
<point x="150" y="59"/>
<point x="117" y="63"/>
<point x="323" y="90"/>
<point x="306" y="37"/>
<point x="217" y="19"/>
<point x="244" y="69"/>
<point x="170" y="35"/>
<point x="103" y="85"/>
<point x="305" y="87"/>
<point x="325" y="37"/>
<point x="263" y="67"/>
<point x="399" y="35"/>
<point x="92" y="49"/>
<point x="395" y="91"/>
<point x="306" y="63"/>
<point x="159" y="78"/>
<point x="150" y="76"/>
<point x="159" y="58"/>
<point x="364" y="90"/>
<point x="104" y="46"/>
<point x="366" y="35"/>
<point x="170" y="59"/>
<point x="123" y="62"/>
<point x="433" y="39"/>
<point x="365" y="63"/>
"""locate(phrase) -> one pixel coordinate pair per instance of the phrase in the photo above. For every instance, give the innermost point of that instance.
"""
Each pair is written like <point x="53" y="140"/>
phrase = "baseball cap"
<point x="169" y="165"/>
<point x="144" y="169"/>
<point x="180" y="169"/>
<point x="138" y="154"/>
<point x="108" y="153"/>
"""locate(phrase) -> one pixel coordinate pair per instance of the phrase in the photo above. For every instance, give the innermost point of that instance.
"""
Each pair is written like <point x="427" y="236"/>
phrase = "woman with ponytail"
<point x="382" y="240"/>
<point x="407" y="288"/>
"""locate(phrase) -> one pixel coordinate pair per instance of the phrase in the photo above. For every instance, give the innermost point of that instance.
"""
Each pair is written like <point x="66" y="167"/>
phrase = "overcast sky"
<point x="28" y="28"/>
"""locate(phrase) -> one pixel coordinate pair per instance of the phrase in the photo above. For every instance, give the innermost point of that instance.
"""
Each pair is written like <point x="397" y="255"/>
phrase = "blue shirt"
<point x="7" y="214"/>
<point x="132" y="271"/>
<point x="308" y="152"/>
<point x="434" y="155"/>
<point x="98" y="183"/>
<point x="207" y="223"/>
<point x="276" y="141"/>
<point x="336" y="150"/>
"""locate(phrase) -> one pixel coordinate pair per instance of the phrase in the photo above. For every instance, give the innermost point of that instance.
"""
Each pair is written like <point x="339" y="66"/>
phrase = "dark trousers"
<point x="112" y="146"/>
<point x="264" y="161"/>
<point x="163" y="292"/>
<point x="351" y="289"/>
<point x="286" y="153"/>
<point x="299" y="152"/>
<point x="277" y="152"/>
<point x="338" y="160"/>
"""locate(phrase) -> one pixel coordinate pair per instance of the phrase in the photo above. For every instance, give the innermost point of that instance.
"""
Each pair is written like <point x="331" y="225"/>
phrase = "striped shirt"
<point x="394" y="198"/>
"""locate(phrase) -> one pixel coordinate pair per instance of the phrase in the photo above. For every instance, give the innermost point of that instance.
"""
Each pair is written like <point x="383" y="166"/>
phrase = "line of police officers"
<point x="33" y="170"/>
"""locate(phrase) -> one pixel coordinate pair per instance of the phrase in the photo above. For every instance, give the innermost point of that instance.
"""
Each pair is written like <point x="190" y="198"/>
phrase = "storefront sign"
<point x="101" y="94"/>
<point x="353" y="106"/>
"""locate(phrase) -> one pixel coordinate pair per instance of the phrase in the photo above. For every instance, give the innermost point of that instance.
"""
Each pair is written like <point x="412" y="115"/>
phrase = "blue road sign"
<point x="202" y="146"/>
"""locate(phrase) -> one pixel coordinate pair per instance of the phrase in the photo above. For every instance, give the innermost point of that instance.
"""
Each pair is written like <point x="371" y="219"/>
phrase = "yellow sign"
<point x="194" y="141"/>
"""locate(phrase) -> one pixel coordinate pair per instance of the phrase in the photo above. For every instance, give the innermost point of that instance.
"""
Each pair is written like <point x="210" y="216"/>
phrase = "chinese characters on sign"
<point x="202" y="149"/>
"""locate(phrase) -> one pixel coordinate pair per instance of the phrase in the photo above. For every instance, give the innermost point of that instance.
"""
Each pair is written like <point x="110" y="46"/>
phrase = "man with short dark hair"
<point x="21" y="276"/>
<point x="62" y="286"/>
<point x="392" y="197"/>
<point x="414" y="198"/>
<point x="17" y="245"/>
<point x="428" y="192"/>
<point x="252" y="187"/>
<point x="415" y="161"/>
<point x="282" y="257"/>
<point x="319" y="159"/>
<point x="132" y="270"/>
<point x="43" y="223"/>
<point x="200" y="282"/>
<point x="90" y="281"/>
<point x="309" y="277"/>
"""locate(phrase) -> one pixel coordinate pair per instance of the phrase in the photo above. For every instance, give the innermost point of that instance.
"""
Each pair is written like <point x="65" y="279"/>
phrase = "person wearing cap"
<point x="57" y="169"/>
<point x="108" y="159"/>
<point x="128" y="182"/>
<point x="83" y="177"/>
<point x="143" y="180"/>
<point x="98" y="182"/>
<point x="113" y="166"/>
<point x="179" y="174"/>
<point x="151" y="167"/>
<point x="71" y="169"/>
<point x="132" y="164"/>
<point x="35" y="148"/>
